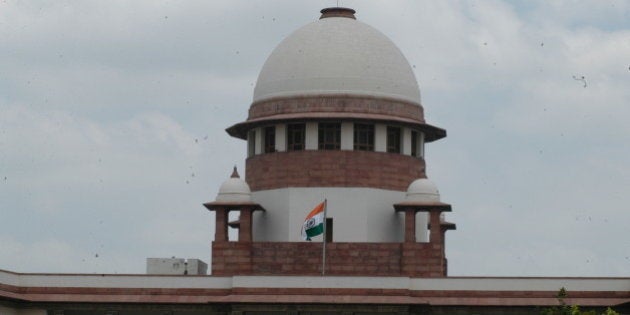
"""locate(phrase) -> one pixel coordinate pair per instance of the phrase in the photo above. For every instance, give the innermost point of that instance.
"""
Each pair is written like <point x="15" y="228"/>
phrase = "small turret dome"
<point x="422" y="190"/>
<point x="234" y="189"/>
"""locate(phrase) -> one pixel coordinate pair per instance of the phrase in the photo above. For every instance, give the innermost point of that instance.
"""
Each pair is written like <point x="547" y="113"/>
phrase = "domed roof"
<point x="337" y="55"/>
<point x="422" y="190"/>
<point x="234" y="189"/>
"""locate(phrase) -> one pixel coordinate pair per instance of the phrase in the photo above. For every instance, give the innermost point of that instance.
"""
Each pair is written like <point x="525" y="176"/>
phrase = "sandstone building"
<point x="337" y="116"/>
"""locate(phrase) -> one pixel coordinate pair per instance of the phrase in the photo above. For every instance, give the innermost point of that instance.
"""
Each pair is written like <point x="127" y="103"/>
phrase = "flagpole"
<point x="324" y="240"/>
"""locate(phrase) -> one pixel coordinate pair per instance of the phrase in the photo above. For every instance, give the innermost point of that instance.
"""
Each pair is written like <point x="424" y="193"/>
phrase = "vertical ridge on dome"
<point x="337" y="12"/>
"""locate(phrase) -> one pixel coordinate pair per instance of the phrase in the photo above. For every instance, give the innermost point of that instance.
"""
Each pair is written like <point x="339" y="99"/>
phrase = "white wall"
<point x="176" y="266"/>
<point x="272" y="224"/>
<point x="380" y="138"/>
<point x="281" y="137"/>
<point x="259" y="141"/>
<point x="347" y="136"/>
<point x="166" y="266"/>
<point x="359" y="214"/>
<point x="311" y="137"/>
<point x="406" y="141"/>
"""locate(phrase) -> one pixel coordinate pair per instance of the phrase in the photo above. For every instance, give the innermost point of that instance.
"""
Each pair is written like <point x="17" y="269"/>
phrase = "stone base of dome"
<point x="338" y="104"/>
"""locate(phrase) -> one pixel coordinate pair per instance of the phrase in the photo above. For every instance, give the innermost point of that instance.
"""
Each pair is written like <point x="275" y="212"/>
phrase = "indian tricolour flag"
<point x="314" y="222"/>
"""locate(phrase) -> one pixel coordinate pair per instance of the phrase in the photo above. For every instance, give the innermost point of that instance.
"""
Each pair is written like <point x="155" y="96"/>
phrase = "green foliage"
<point x="610" y="311"/>
<point x="564" y="309"/>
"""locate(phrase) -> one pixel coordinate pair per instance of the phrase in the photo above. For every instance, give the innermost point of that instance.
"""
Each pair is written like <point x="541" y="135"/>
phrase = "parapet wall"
<point x="347" y="259"/>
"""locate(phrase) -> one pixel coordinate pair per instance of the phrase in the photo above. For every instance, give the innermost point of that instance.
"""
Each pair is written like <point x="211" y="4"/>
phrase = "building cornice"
<point x="484" y="291"/>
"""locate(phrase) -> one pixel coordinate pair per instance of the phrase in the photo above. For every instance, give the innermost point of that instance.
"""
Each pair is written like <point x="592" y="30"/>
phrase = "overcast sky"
<point x="112" y="118"/>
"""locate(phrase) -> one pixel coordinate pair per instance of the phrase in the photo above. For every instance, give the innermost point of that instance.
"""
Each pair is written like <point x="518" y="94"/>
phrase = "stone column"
<point x="245" y="225"/>
<point x="436" y="233"/>
<point x="437" y="243"/>
<point x="221" y="228"/>
<point x="410" y="225"/>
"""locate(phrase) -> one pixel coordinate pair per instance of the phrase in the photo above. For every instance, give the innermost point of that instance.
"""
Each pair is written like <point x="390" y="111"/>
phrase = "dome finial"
<point x="337" y="12"/>
<point x="235" y="173"/>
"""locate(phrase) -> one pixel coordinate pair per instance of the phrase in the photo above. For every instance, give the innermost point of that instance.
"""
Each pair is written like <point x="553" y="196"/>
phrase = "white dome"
<point x="234" y="189"/>
<point x="337" y="55"/>
<point x="422" y="190"/>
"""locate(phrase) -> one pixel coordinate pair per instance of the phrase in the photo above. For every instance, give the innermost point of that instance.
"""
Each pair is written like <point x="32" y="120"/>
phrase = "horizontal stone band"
<point x="336" y="103"/>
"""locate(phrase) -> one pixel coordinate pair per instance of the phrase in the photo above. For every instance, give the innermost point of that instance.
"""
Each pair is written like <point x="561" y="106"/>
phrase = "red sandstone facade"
<point x="333" y="169"/>
<point x="336" y="104"/>
<point x="342" y="259"/>
<point x="410" y="258"/>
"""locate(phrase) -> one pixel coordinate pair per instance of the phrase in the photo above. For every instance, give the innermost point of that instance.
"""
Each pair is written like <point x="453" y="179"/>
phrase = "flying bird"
<point x="582" y="78"/>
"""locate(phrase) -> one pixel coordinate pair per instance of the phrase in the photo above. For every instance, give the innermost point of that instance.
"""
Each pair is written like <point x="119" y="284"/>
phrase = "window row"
<point x="331" y="135"/>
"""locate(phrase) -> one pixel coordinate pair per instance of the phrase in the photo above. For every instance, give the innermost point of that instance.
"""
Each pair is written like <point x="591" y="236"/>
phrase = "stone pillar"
<point x="410" y="225"/>
<point x="443" y="230"/>
<point x="436" y="233"/>
<point x="445" y="226"/>
<point x="221" y="228"/>
<point x="437" y="239"/>
<point x="245" y="225"/>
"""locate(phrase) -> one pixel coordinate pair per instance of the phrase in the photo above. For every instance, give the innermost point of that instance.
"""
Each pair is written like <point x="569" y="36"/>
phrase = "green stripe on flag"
<point x="314" y="231"/>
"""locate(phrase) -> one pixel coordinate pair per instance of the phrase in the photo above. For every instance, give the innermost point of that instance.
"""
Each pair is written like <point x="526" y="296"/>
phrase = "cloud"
<point x="93" y="182"/>
<point x="40" y="256"/>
